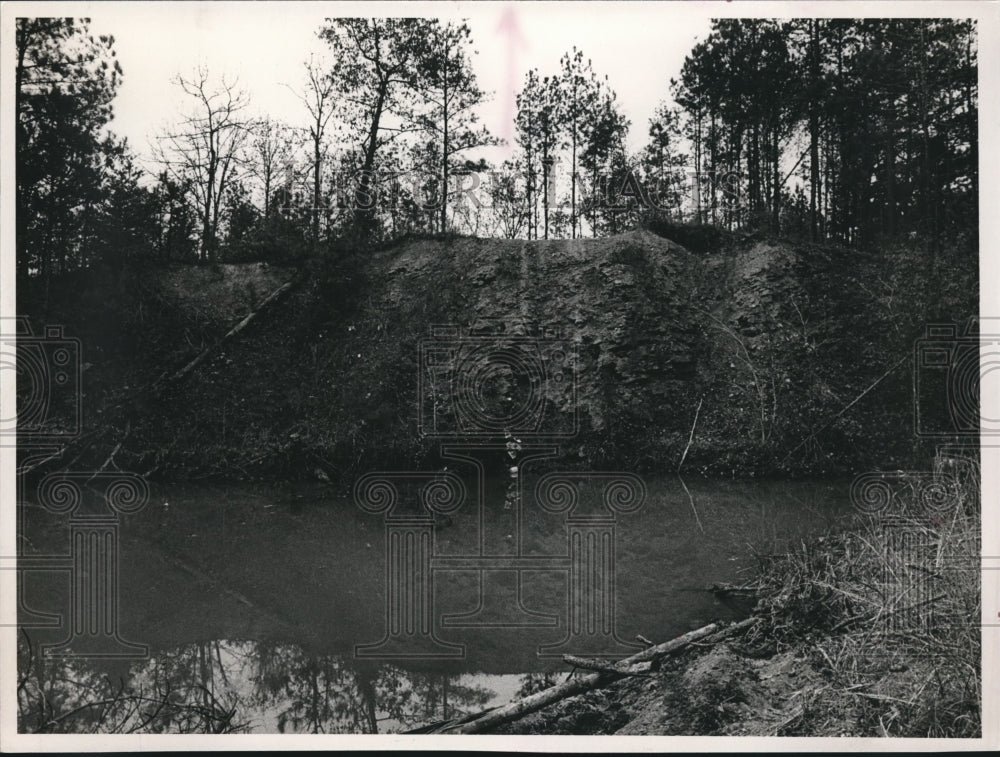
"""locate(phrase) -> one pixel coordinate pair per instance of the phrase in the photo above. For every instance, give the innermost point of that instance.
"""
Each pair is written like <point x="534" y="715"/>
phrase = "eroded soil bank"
<point x="766" y="356"/>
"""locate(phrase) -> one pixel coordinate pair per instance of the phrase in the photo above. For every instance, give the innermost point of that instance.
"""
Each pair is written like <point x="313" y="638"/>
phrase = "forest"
<point x="856" y="131"/>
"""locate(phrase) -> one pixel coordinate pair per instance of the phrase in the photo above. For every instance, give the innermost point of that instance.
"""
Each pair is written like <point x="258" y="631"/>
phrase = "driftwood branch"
<point x="693" y="508"/>
<point x="687" y="447"/>
<point x="574" y="686"/>
<point x="731" y="589"/>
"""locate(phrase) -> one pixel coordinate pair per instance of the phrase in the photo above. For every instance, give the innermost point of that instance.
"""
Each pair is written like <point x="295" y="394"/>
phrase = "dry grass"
<point x="891" y="613"/>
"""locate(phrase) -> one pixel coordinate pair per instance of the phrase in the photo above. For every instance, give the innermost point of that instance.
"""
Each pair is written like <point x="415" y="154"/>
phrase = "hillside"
<point x="768" y="355"/>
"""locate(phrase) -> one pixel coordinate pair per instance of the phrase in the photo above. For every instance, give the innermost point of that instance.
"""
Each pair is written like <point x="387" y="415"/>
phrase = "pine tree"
<point x="65" y="80"/>
<point x="446" y="82"/>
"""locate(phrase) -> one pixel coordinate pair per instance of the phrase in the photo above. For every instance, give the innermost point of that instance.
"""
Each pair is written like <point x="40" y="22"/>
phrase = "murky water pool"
<point x="291" y="609"/>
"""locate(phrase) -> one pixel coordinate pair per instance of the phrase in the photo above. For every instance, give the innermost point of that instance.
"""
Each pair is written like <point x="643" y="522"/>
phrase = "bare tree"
<point x="319" y="101"/>
<point x="205" y="148"/>
<point x="509" y="212"/>
<point x="272" y="150"/>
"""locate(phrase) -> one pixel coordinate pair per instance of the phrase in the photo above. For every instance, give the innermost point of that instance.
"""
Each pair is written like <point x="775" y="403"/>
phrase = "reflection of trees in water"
<point x="431" y="696"/>
<point x="229" y="687"/>
<point x="313" y="694"/>
<point x="59" y="695"/>
<point x="329" y="694"/>
<point x="532" y="683"/>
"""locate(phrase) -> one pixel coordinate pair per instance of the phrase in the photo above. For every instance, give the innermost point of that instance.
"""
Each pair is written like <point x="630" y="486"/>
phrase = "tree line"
<point x="853" y="130"/>
<point x="876" y="118"/>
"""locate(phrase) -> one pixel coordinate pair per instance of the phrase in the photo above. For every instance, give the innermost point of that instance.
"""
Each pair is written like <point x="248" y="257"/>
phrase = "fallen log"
<point x="520" y="708"/>
<point x="246" y="321"/>
<point x="586" y="663"/>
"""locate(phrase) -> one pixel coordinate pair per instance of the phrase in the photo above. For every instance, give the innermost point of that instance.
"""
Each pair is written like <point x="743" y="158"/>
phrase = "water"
<point x="252" y="601"/>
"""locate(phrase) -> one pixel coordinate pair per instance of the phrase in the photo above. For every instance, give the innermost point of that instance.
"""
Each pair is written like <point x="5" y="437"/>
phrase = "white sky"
<point x="639" y="46"/>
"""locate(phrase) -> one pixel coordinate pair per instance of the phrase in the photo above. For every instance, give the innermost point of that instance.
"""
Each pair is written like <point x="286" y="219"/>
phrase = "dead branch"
<point x="849" y="405"/>
<point x="91" y="438"/>
<point x="574" y="686"/>
<point x="693" y="508"/>
<point x="690" y="436"/>
<point x="729" y="589"/>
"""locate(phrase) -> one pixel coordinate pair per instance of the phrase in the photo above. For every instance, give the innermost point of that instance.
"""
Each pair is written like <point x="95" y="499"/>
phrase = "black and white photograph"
<point x="449" y="375"/>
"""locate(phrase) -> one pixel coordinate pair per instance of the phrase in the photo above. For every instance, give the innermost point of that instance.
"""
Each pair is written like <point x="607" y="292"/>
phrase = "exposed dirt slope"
<point x="773" y="341"/>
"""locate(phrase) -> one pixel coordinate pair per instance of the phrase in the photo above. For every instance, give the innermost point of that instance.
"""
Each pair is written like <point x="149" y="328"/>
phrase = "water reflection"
<point x="241" y="687"/>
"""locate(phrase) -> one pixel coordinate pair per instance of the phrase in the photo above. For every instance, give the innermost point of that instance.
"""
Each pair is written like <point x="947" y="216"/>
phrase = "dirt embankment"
<point x="778" y="344"/>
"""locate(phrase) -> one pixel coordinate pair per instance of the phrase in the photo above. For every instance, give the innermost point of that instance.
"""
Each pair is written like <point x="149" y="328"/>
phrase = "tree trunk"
<point x="545" y="187"/>
<point x="317" y="185"/>
<point x="574" y="686"/>
<point x="572" y="178"/>
<point x="712" y="177"/>
<point x="697" y="168"/>
<point x="776" y="168"/>
<point x="444" y="148"/>
<point x="530" y="178"/>
<point x="367" y="206"/>
<point x="814" y="186"/>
